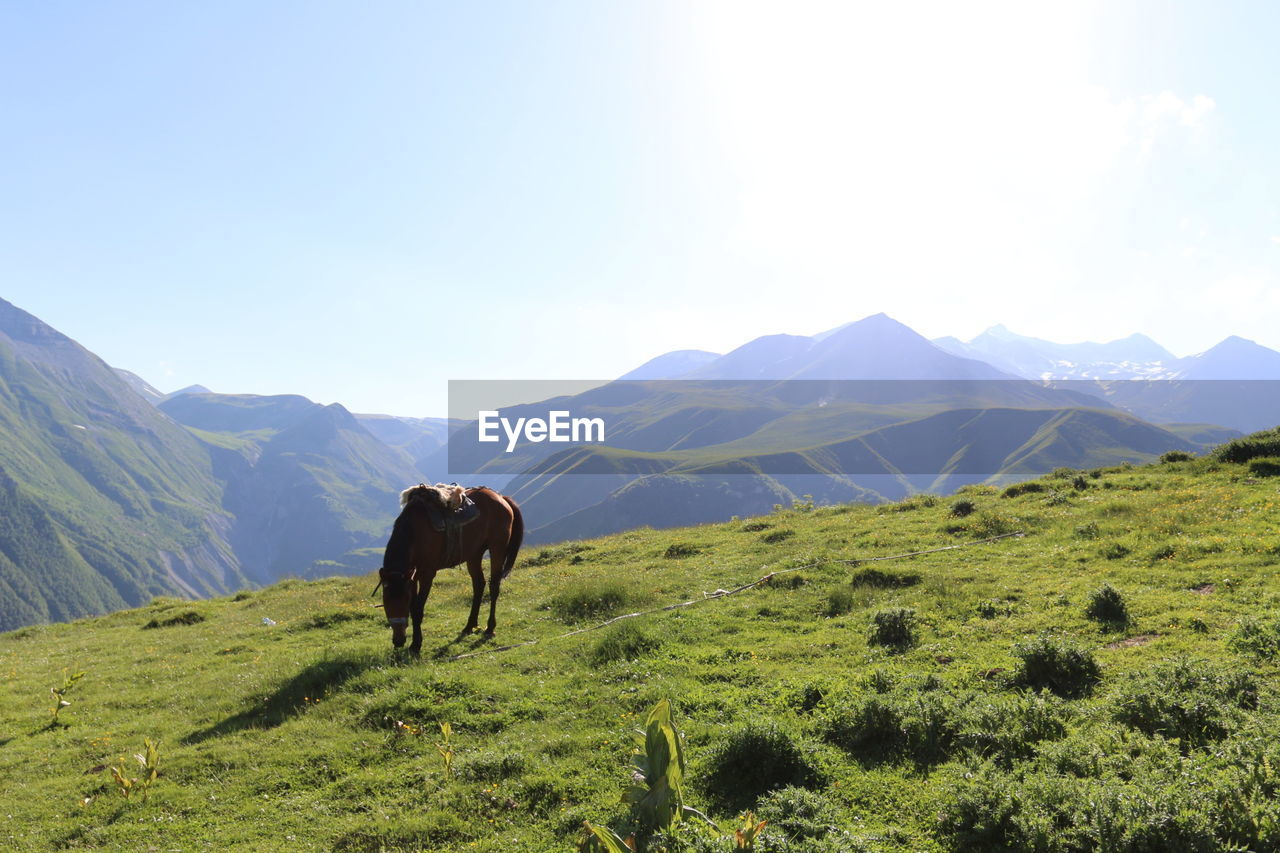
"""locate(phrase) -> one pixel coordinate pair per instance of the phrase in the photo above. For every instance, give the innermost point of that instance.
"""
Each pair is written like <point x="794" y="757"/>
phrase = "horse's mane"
<point x="445" y="495"/>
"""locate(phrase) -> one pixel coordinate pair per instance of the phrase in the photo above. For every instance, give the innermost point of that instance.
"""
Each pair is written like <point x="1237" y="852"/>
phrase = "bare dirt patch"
<point x="1130" y="642"/>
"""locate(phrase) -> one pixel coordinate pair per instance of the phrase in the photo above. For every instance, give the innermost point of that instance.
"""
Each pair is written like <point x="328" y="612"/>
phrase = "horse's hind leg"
<point x="475" y="567"/>
<point x="416" y="608"/>
<point x="497" y="557"/>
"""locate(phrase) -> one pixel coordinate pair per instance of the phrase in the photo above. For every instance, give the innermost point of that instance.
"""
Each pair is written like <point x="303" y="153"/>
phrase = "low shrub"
<point x="1188" y="700"/>
<point x="586" y="600"/>
<point x="1256" y="637"/>
<point x="1029" y="487"/>
<point x="777" y="536"/>
<point x="1053" y="664"/>
<point x="1108" y="606"/>
<point x="546" y="556"/>
<point x="752" y="760"/>
<point x="798" y="814"/>
<point x="879" y="579"/>
<point x="1175" y="456"/>
<point x="1265" y="467"/>
<point x="1009" y="728"/>
<point x="1240" y="450"/>
<point x="985" y="525"/>
<point x="1115" y="551"/>
<point x="677" y="550"/>
<point x="894" y="629"/>
<point x="990" y="608"/>
<point x="872" y="729"/>
<point x="494" y="767"/>
<point x="990" y="809"/>
<point x="625" y="641"/>
<point x="839" y="602"/>
<point x="962" y="508"/>
<point x="187" y="617"/>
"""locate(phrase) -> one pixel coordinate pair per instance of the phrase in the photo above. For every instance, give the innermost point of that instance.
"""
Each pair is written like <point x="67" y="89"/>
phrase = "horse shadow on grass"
<point x="292" y="698"/>
<point x="451" y="648"/>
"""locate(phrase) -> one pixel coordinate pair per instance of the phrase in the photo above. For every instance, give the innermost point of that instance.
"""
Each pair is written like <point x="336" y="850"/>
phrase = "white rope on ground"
<point x="725" y="593"/>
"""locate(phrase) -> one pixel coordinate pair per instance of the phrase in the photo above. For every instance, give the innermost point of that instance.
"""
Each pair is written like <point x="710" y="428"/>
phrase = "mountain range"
<point x="850" y="351"/>
<point x="112" y="492"/>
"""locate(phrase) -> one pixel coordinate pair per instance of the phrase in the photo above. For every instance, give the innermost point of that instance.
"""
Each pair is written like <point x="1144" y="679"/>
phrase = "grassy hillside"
<point x="986" y="697"/>
<point x="308" y="486"/>
<point x="104" y="502"/>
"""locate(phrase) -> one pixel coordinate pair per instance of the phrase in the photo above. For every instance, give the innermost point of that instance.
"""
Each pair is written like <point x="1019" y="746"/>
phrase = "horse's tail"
<point x="517" y="537"/>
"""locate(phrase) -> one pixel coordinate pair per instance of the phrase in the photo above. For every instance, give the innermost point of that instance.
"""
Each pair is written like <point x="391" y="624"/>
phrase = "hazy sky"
<point x="358" y="201"/>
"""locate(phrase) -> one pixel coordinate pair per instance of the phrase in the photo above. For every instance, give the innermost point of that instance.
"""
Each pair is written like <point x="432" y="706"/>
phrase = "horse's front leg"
<point x="416" y="608"/>
<point x="475" y="567"/>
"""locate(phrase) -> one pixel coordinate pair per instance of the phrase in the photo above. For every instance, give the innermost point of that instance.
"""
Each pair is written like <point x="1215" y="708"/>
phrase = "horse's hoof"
<point x="488" y="635"/>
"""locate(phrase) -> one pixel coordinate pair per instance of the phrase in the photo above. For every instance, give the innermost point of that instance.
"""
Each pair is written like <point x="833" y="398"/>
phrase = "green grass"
<point x="990" y="730"/>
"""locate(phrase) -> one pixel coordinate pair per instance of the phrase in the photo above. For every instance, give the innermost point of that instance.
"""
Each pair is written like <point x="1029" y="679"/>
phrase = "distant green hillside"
<point x="104" y="502"/>
<point x="308" y="487"/>
<point x="107" y="500"/>
<point x="1104" y="682"/>
<point x="590" y="492"/>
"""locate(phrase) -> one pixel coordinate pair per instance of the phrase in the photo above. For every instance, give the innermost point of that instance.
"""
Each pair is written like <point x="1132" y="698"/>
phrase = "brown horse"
<point x="416" y="551"/>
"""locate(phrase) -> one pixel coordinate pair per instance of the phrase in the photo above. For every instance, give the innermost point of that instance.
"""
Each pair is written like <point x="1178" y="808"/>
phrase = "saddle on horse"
<point x="450" y="523"/>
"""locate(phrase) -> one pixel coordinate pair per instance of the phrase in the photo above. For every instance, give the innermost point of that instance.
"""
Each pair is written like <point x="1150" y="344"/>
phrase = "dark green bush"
<point x="894" y="628"/>
<point x="187" y="617"/>
<point x="963" y="507"/>
<point x="1108" y="606"/>
<point x="1080" y="483"/>
<point x="493" y="767"/>
<point x="752" y="760"/>
<point x="1029" y="487"/>
<point x="1265" y="467"/>
<point x="879" y="681"/>
<point x="884" y="580"/>
<point x="1188" y="700"/>
<point x="1050" y="663"/>
<point x="589" y="600"/>
<point x="839" y="601"/>
<point x="797" y="813"/>
<point x="1256" y="637"/>
<point x="992" y="810"/>
<point x="1240" y="450"/>
<point x="777" y="536"/>
<point x="546" y="556"/>
<point x="1115" y="551"/>
<point x="676" y="550"/>
<point x="1176" y="456"/>
<point x="625" y="641"/>
<point x="1009" y="728"/>
<point x="993" y="525"/>
<point x="918" y="727"/>
<point x="991" y="608"/>
<point x="871" y="729"/>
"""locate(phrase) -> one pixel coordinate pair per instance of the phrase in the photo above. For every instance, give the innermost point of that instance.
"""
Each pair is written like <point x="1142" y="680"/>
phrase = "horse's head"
<point x="395" y="602"/>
